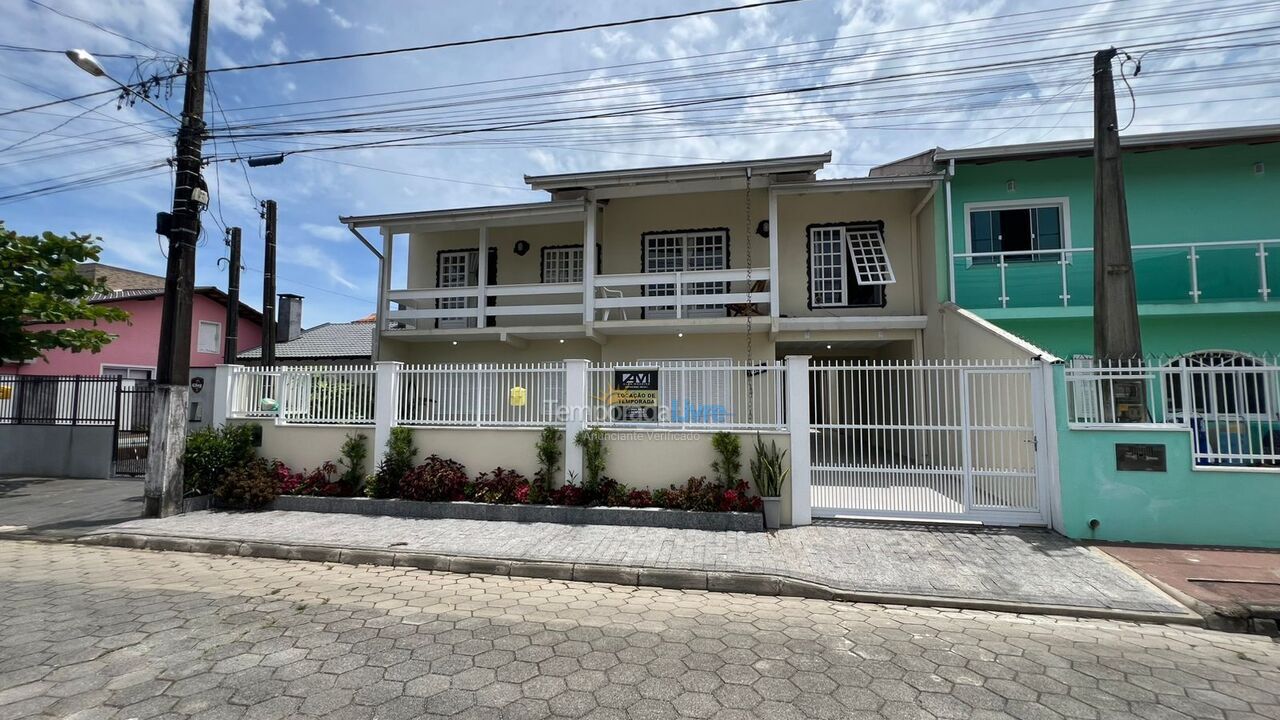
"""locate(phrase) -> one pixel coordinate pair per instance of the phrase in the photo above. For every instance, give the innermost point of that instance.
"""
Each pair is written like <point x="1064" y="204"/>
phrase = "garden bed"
<point x="563" y="514"/>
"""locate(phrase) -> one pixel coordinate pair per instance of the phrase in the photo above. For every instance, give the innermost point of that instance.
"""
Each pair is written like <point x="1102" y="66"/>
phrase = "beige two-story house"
<point x="735" y="261"/>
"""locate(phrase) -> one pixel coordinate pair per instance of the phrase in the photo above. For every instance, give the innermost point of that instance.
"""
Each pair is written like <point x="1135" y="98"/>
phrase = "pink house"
<point x="133" y="353"/>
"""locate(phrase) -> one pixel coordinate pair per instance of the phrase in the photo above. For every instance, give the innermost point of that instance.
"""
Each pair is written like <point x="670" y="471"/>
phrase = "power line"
<point x="503" y="38"/>
<point x="93" y="24"/>
<point x="25" y="49"/>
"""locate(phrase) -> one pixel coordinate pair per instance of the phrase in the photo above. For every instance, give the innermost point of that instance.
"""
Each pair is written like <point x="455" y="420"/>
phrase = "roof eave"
<point x="1214" y="136"/>
<point x="676" y="173"/>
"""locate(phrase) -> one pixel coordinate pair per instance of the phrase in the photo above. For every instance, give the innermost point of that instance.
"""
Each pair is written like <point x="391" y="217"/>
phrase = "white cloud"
<point x="329" y="233"/>
<point x="246" y="18"/>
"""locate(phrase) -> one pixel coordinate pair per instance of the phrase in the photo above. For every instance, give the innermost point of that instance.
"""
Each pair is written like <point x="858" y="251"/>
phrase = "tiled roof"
<point x="331" y="340"/>
<point x="208" y="291"/>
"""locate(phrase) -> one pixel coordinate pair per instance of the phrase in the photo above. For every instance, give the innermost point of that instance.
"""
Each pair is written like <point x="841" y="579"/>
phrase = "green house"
<point x="1204" y="224"/>
<point x="1194" y="457"/>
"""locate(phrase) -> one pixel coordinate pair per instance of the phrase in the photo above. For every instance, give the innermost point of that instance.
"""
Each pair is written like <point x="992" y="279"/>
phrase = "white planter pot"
<point x="772" y="512"/>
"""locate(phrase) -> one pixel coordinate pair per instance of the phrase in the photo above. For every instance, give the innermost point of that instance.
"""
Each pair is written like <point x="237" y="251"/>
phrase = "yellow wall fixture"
<point x="518" y="396"/>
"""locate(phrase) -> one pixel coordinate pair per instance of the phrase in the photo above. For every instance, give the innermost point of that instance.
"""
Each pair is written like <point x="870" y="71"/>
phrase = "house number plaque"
<point x="1140" y="457"/>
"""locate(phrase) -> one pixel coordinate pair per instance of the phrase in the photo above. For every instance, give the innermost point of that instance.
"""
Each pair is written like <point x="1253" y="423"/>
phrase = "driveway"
<point x="65" y="508"/>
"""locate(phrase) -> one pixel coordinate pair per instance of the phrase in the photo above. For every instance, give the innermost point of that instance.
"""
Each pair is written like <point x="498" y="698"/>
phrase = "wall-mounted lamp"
<point x="1259" y="168"/>
<point x="762" y="228"/>
<point x="1011" y="185"/>
<point x="522" y="247"/>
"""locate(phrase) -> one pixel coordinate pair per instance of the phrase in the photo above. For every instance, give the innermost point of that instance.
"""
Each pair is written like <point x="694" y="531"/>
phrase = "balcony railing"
<point x="627" y="296"/>
<point x="1191" y="273"/>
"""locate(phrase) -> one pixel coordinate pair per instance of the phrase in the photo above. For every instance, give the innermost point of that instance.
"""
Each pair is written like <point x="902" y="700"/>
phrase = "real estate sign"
<point x="635" y="395"/>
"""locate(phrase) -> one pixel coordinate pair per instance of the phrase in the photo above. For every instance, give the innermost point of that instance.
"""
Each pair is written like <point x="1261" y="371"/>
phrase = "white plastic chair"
<point x="611" y="293"/>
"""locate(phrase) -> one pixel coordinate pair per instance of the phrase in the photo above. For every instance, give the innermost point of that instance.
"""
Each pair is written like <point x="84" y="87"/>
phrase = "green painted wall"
<point x="1182" y="506"/>
<point x="1174" y="196"/>
<point x="1253" y="333"/>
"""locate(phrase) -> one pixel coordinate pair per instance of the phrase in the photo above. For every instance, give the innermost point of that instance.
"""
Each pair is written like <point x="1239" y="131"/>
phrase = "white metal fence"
<point x="1229" y="402"/>
<point x="936" y="439"/>
<point x="718" y="394"/>
<point x="337" y="395"/>
<point x="481" y="395"/>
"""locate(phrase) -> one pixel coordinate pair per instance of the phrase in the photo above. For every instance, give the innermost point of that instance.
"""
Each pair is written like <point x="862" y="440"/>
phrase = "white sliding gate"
<point x="942" y="440"/>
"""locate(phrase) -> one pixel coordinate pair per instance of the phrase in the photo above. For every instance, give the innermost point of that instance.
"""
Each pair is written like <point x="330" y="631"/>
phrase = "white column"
<point x="798" y="420"/>
<point x="589" y="264"/>
<point x="384" y="287"/>
<point x="576" y="412"/>
<point x="773" y="254"/>
<point x="384" y="406"/>
<point x="222" y="393"/>
<point x="482" y="279"/>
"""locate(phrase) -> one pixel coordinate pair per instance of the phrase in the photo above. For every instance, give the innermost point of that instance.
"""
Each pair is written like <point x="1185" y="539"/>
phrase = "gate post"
<point x="576" y="411"/>
<point x="384" y="405"/>
<point x="798" y="422"/>
<point x="222" y="394"/>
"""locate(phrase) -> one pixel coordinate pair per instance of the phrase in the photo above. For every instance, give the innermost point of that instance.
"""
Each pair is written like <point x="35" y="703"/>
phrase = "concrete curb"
<point x="670" y="578"/>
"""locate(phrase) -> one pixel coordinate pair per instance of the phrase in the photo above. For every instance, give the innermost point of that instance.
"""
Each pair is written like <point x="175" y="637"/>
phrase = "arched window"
<point x="1218" y="385"/>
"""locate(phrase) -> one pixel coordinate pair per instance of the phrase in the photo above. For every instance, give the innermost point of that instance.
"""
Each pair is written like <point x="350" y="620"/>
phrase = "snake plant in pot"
<point x="769" y="471"/>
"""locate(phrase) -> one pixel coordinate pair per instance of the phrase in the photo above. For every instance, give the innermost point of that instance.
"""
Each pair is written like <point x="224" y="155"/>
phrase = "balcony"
<point x="1167" y="274"/>
<point x="607" y="303"/>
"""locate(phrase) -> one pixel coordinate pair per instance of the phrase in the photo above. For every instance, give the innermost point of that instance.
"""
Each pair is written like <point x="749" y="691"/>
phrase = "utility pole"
<point x="269" y="287"/>
<point x="163" y="488"/>
<point x="1117" y="337"/>
<point x="231" y="343"/>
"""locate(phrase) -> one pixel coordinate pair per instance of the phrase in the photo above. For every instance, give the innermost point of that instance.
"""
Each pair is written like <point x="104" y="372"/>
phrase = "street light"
<point x="87" y="63"/>
<point x="84" y="60"/>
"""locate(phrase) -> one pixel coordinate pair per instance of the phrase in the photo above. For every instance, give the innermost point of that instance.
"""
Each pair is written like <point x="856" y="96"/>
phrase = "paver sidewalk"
<point x="1030" y="567"/>
<point x="1241" y="586"/>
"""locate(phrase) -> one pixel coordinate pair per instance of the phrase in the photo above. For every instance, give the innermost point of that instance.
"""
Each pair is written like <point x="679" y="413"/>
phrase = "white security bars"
<point x="512" y="395"/>
<point x="336" y="395"/>
<point x="691" y="394"/>
<point x="934" y="439"/>
<point x="1229" y="402"/>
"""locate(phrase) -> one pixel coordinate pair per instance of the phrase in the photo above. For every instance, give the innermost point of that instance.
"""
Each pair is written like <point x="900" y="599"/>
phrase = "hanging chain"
<point x="750" y="359"/>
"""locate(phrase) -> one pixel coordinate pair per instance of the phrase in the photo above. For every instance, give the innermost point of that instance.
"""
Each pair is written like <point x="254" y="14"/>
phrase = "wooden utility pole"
<point x="162" y="491"/>
<point x="1117" y="337"/>
<point x="231" y="343"/>
<point x="269" y="287"/>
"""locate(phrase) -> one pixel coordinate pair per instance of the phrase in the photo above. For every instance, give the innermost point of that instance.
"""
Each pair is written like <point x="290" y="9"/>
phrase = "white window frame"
<point x="105" y="367"/>
<point x="843" y="267"/>
<point x="200" y="346"/>
<point x="558" y="263"/>
<point x="1063" y="204"/>
<point x="470" y="262"/>
<point x="720" y="235"/>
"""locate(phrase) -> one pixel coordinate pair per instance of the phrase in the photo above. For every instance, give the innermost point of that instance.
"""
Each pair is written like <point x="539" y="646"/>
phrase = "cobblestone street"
<point x="112" y="633"/>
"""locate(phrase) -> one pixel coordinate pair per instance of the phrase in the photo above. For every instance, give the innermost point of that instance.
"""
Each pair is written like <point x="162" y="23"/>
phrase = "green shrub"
<point x="396" y="463"/>
<point x="769" y="469"/>
<point x="212" y="453"/>
<point x="354" y="453"/>
<point x="249" y="486"/>
<point x="549" y="453"/>
<point x="594" y="453"/>
<point x="728" y="462"/>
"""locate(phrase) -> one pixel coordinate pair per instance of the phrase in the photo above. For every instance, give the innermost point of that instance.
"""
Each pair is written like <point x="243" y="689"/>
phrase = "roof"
<point x="209" y="291"/>
<point x="674" y="173"/>
<point x="570" y="209"/>
<point x="327" y="341"/>
<point x="1253" y="134"/>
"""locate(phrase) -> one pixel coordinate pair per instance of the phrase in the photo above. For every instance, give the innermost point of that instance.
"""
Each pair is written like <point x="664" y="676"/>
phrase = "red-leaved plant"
<point x="436" y="479"/>
<point x="501" y="485"/>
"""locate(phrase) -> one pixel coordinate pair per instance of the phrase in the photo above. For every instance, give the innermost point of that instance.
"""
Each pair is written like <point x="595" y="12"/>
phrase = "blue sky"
<point x="1229" y="81"/>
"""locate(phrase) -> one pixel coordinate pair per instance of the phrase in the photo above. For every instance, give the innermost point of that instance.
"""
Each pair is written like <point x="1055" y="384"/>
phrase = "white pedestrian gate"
<point x="942" y="440"/>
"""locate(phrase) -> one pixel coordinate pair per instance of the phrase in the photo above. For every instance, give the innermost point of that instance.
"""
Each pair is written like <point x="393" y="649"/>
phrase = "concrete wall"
<point x="956" y="333"/>
<point x="307" y="446"/>
<point x="892" y="207"/>
<point x="641" y="459"/>
<point x="56" y="450"/>
<point x="1184" y="504"/>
